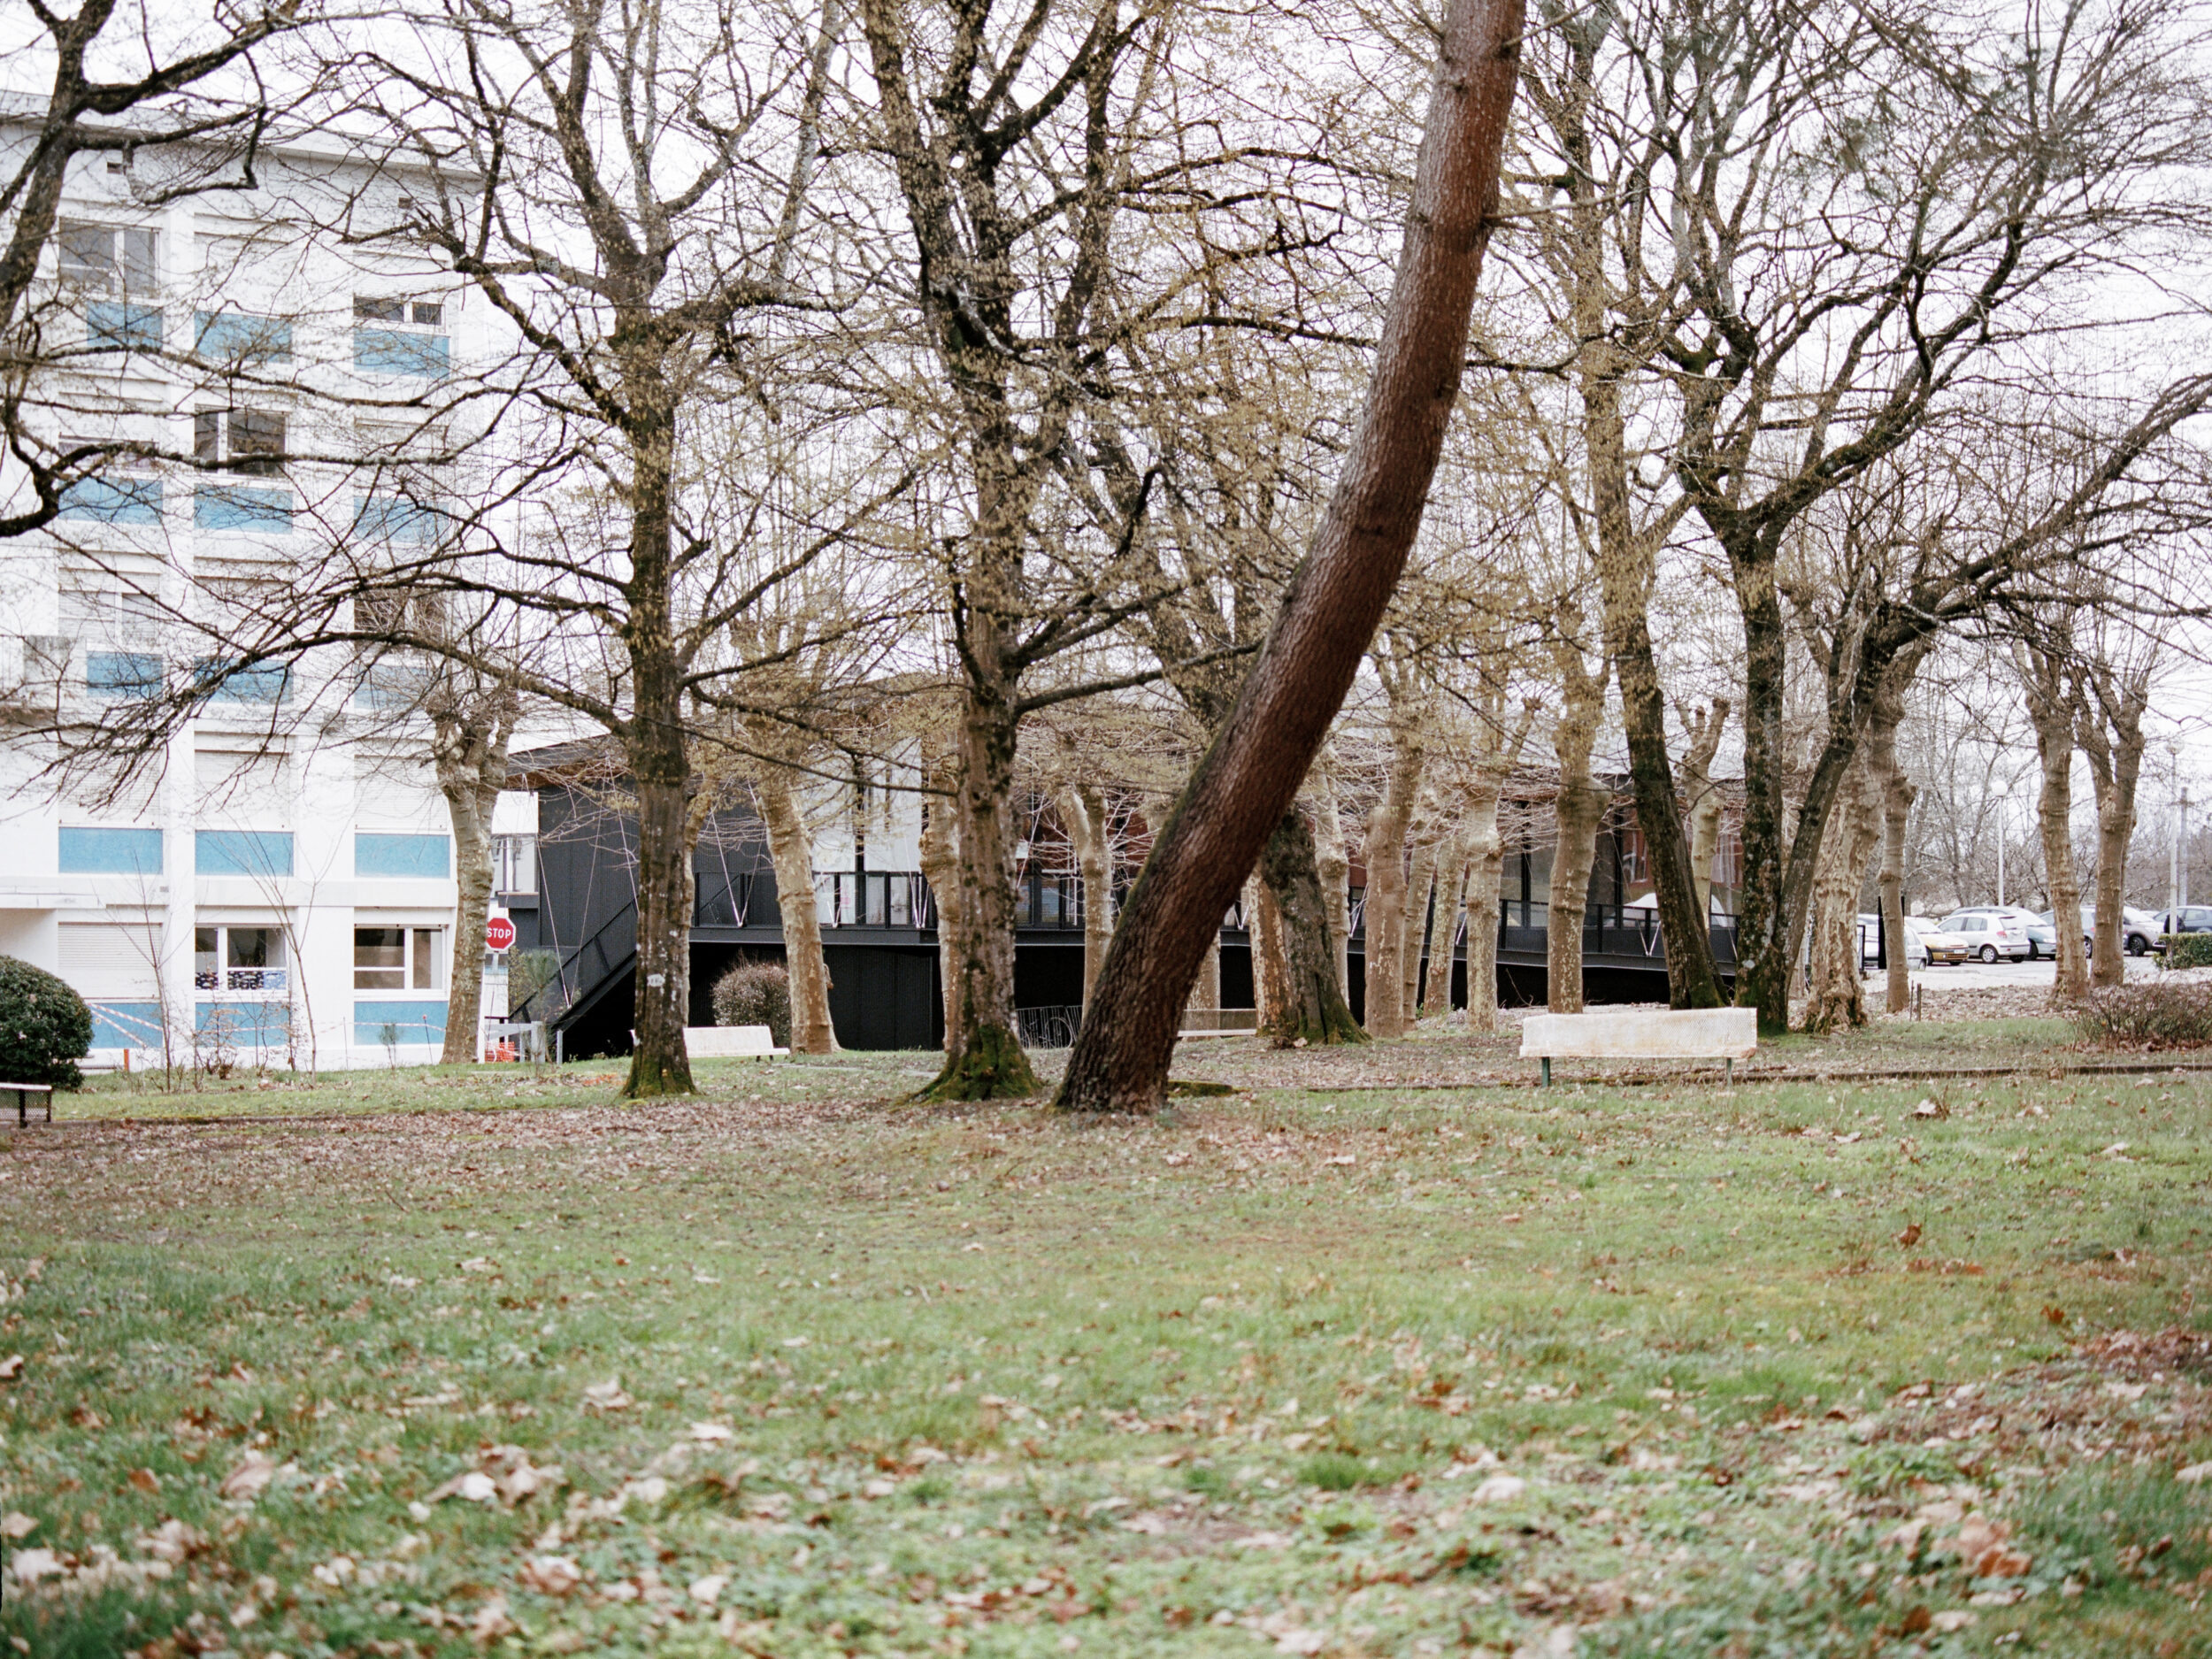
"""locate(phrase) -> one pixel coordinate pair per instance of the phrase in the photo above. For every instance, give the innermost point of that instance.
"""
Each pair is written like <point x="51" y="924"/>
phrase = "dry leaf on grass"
<point x="251" y="1479"/>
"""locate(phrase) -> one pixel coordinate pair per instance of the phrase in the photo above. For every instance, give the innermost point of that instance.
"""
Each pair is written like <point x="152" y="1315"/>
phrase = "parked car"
<point x="2195" y="918"/>
<point x="1991" y="934"/>
<point x="2042" y="937"/>
<point x="1935" y="944"/>
<point x="1870" y="943"/>
<point x="2138" y="930"/>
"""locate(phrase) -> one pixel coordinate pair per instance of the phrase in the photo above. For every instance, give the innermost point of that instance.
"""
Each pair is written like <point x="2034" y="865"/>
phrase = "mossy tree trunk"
<point x="1309" y="1006"/>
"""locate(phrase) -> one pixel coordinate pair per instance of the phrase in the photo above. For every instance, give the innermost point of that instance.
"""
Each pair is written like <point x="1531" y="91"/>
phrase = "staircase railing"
<point x="584" y="968"/>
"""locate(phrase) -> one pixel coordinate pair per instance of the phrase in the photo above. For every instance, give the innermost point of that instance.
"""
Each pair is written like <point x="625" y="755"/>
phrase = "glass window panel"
<point x="141" y="258"/>
<point x="429" y="958"/>
<point x="88" y="253"/>
<point x="256" y="433"/>
<point x="206" y="956"/>
<point x="375" y="309"/>
<point x="429" y="312"/>
<point x="380" y="958"/>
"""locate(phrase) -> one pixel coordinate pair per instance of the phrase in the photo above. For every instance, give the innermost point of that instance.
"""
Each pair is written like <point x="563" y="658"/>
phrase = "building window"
<point x="122" y="674"/>
<point x="238" y="958"/>
<point x="417" y="856"/>
<point x="111" y="852"/>
<point x="390" y="686"/>
<point x="393" y="336"/>
<point x="238" y="337"/>
<point x="239" y="441"/>
<point x="257" y="853"/>
<point x="233" y="507"/>
<point x="264" y="683"/>
<point x="105" y="257"/>
<point x="514" y="863"/>
<point x="398" y="959"/>
<point x="120" y="326"/>
<point x="113" y="501"/>
<point x="395" y="519"/>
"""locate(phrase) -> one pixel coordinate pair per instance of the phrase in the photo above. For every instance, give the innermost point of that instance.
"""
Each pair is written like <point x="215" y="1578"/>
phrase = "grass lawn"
<point x="1784" y="1370"/>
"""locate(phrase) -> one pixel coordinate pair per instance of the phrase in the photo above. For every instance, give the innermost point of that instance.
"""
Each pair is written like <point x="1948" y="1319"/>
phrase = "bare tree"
<point x="2042" y="663"/>
<point x="1255" y="766"/>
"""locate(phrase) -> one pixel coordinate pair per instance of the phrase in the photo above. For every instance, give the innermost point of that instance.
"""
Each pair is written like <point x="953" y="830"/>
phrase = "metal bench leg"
<point x="1730" y="1064"/>
<point x="1546" y="1063"/>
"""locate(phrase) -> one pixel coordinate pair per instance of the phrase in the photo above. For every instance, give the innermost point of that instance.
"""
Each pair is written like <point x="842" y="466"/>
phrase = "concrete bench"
<point x="1689" y="1033"/>
<point x="24" y="1093"/>
<point x="731" y="1042"/>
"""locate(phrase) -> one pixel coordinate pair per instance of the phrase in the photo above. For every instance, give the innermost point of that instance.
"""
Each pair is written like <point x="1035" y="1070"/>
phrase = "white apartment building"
<point x="273" y="882"/>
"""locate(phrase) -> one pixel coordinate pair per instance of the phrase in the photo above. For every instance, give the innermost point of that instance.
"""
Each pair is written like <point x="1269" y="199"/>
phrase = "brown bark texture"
<point x="1421" y="903"/>
<point x="1332" y="868"/>
<point x="2051" y="712"/>
<point x="791" y="852"/>
<point x="2108" y="727"/>
<point x="1577" y="813"/>
<point x="1307" y="1002"/>
<point x="1897" y="793"/>
<point x="1337" y="597"/>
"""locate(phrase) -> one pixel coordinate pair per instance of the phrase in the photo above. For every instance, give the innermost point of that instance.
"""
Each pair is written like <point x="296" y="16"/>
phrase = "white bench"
<point x="1688" y="1034"/>
<point x="731" y="1042"/>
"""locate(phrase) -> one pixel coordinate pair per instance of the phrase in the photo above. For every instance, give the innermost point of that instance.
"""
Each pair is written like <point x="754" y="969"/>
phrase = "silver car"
<point x="1992" y="935"/>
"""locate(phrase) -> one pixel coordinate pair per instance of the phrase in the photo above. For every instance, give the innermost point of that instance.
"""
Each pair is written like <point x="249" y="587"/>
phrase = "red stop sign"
<point x="499" y="932"/>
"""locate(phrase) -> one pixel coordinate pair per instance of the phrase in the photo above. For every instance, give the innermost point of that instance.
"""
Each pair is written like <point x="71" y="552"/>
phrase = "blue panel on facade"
<point x="395" y="519"/>
<point x="235" y="336"/>
<point x="376" y="1024"/>
<point x="418" y="855"/>
<point x="391" y="685"/>
<point x="388" y="351"/>
<point x="258" y="1024"/>
<point x="111" y="325"/>
<point x="233" y="507"/>
<point x="269" y="683"/>
<point x="242" y="852"/>
<point x="126" y="1025"/>
<point x="111" y="852"/>
<point x="108" y="501"/>
<point x="122" y="674"/>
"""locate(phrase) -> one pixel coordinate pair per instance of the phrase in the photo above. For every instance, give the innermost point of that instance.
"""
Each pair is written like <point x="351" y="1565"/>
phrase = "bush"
<point x="755" y="993"/>
<point x="2188" y="950"/>
<point x="44" y="1027"/>
<point x="2150" y="1014"/>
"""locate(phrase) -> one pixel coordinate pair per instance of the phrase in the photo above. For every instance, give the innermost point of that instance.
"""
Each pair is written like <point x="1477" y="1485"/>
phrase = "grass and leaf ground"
<point x="483" y="1361"/>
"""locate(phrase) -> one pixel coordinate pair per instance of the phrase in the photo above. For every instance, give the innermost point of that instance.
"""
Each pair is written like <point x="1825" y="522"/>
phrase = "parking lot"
<point x="2005" y="975"/>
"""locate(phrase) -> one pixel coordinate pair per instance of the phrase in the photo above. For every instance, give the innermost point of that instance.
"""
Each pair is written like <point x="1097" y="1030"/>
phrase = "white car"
<point x="1992" y="935"/>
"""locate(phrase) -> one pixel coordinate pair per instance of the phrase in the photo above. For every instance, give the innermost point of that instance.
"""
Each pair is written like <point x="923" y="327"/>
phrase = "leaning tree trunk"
<point x="1579" y="810"/>
<point x="1386" y="888"/>
<point x="940" y="869"/>
<point x="791" y="851"/>
<point x="1837" y="998"/>
<point x="1451" y="887"/>
<point x="1307" y="1005"/>
<point x="1084" y="808"/>
<point x="988" y="1063"/>
<point x="660" y="767"/>
<point x="1335" y="600"/>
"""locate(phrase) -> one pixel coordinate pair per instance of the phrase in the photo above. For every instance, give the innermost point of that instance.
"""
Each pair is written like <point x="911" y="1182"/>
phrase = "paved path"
<point x="1978" y="976"/>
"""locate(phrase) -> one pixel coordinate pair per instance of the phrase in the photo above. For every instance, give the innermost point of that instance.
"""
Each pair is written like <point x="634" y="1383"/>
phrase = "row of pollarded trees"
<point x="1017" y="354"/>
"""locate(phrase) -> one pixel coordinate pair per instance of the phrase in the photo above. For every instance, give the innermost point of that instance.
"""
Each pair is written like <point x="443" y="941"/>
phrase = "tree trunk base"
<point x="648" y="1081"/>
<point x="992" y="1066"/>
<point x="1305" y="1026"/>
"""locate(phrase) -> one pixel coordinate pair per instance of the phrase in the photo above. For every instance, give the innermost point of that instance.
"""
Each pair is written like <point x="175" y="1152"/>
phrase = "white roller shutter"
<point x="108" y="958"/>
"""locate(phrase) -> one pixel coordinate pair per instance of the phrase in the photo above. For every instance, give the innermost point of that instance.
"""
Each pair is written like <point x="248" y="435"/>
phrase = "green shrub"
<point x="44" y="1027"/>
<point x="2151" y="1014"/>
<point x="2188" y="950"/>
<point x="755" y="993"/>
<point x="1333" y="1471"/>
